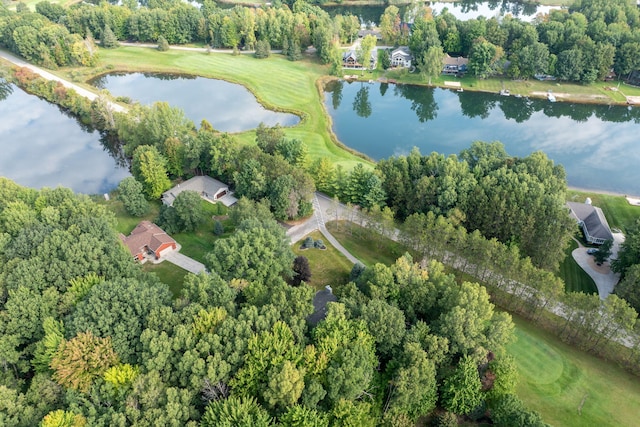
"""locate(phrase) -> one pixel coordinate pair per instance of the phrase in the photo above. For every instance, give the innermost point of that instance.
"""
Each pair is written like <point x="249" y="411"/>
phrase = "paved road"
<point x="47" y="75"/>
<point x="321" y="205"/>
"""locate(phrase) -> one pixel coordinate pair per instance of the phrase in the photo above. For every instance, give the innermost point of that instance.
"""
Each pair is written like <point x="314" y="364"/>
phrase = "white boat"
<point x="551" y="97"/>
<point x="505" y="92"/>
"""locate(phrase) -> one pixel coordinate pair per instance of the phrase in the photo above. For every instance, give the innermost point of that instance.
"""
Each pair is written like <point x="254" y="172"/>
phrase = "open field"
<point x="575" y="279"/>
<point x="279" y="84"/>
<point x="328" y="267"/>
<point x="554" y="378"/>
<point x="618" y="211"/>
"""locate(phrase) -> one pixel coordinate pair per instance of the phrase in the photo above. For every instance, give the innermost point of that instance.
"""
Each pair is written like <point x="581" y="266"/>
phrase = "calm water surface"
<point x="228" y="107"/>
<point x="465" y="10"/>
<point x="598" y="145"/>
<point x="42" y="147"/>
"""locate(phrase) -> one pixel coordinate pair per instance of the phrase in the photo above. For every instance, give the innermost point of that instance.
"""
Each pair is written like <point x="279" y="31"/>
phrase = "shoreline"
<point x="604" y="192"/>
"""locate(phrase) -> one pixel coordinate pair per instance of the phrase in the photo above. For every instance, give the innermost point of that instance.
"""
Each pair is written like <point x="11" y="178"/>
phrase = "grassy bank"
<point x="595" y="93"/>
<point x="277" y="83"/>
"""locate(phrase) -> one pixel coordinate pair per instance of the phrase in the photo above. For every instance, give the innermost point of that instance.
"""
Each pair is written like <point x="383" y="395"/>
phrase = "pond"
<point x="41" y="146"/>
<point x="598" y="145"/>
<point x="228" y="107"/>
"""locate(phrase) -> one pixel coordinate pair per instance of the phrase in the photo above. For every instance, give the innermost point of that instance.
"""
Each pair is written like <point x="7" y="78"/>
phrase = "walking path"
<point x="47" y="75"/>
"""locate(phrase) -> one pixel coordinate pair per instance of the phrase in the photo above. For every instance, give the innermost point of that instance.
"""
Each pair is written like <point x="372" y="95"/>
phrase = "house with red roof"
<point x="148" y="240"/>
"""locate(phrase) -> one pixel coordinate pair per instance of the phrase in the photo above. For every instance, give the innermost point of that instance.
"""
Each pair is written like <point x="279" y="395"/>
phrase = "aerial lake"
<point x="598" y="145"/>
<point x="228" y="107"/>
<point x="42" y="147"/>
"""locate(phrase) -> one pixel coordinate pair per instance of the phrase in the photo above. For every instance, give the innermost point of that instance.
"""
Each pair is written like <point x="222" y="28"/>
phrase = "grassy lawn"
<point x="618" y="211"/>
<point x="555" y="378"/>
<point x="328" y="267"/>
<point x="126" y="222"/>
<point x="575" y="278"/>
<point x="196" y="244"/>
<point x="168" y="273"/>
<point x="365" y="245"/>
<point x="279" y="84"/>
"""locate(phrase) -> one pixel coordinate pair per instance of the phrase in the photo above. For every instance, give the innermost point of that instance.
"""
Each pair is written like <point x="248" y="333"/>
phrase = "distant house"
<point x="350" y="60"/>
<point x="454" y="64"/>
<point x="592" y="221"/>
<point x="401" y="57"/>
<point x="209" y="189"/>
<point x="363" y="33"/>
<point x="147" y="239"/>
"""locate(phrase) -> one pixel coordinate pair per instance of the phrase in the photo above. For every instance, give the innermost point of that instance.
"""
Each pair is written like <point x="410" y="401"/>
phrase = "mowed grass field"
<point x="277" y="83"/>
<point x="570" y="387"/>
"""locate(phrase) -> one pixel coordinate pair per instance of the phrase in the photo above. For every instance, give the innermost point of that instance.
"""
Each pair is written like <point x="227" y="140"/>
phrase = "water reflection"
<point x="39" y="147"/>
<point x="597" y="144"/>
<point x="361" y="104"/>
<point x="462" y="10"/>
<point x="228" y="107"/>
<point x="5" y="89"/>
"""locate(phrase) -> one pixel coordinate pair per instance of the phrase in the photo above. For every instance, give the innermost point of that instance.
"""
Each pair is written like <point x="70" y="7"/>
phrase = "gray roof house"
<point x="350" y="60"/>
<point x="592" y="221"/>
<point x="209" y="189"/>
<point x="401" y="57"/>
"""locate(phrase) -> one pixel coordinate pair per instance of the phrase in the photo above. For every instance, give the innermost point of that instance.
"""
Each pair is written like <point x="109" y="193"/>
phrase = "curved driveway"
<point x="606" y="279"/>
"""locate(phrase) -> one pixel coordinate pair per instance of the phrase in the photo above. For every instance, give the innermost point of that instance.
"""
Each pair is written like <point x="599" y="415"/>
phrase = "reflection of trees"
<point x="361" y="103"/>
<point x="112" y="145"/>
<point x="518" y="109"/>
<point x="514" y="7"/>
<point x="336" y="95"/>
<point x="334" y="87"/>
<point x="476" y="104"/>
<point x="422" y="101"/>
<point x="383" y="88"/>
<point x="5" y="89"/>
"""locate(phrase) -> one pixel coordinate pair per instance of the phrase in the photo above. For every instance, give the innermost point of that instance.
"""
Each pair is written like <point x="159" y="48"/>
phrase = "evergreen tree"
<point x="108" y="39"/>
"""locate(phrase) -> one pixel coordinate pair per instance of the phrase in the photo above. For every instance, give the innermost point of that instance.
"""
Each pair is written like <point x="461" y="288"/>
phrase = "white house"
<point x="401" y="57"/>
<point x="209" y="189"/>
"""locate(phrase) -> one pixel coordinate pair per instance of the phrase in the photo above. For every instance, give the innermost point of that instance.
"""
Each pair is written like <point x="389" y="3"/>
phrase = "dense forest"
<point x="86" y="337"/>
